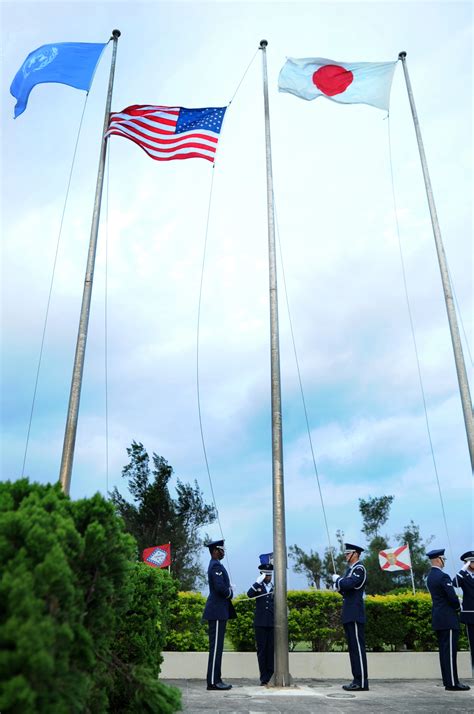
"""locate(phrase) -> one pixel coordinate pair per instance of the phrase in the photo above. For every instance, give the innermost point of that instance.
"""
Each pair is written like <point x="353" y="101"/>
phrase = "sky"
<point x="340" y="253"/>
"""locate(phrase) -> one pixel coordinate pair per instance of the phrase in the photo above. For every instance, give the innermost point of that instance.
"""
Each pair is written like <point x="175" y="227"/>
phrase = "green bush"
<point x="240" y="630"/>
<point x="187" y="632"/>
<point x="315" y="617"/>
<point x="66" y="588"/>
<point x="138" y="644"/>
<point x="394" y="622"/>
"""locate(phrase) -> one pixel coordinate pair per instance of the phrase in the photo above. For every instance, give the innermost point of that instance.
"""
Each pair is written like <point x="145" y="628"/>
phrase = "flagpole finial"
<point x="402" y="55"/>
<point x="116" y="34"/>
<point x="263" y="44"/>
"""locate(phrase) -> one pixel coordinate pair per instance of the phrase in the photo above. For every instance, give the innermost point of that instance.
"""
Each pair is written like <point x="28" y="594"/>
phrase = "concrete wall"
<point x="315" y="665"/>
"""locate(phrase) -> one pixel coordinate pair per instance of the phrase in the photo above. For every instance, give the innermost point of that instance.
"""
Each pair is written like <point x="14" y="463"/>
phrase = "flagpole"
<point x="448" y="295"/>
<point x="76" y="381"/>
<point x="281" y="677"/>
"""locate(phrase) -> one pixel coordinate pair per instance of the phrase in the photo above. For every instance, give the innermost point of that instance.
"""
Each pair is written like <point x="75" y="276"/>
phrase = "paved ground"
<point x="384" y="697"/>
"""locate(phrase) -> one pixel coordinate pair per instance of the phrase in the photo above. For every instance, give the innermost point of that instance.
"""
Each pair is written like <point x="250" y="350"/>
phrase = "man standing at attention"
<point x="444" y="619"/>
<point x="464" y="579"/>
<point x="351" y="586"/>
<point x="262" y="590"/>
<point x="218" y="610"/>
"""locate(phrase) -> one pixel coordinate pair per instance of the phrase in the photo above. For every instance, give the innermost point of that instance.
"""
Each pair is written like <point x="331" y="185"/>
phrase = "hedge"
<point x="187" y="632"/>
<point x="78" y="614"/>
<point x="394" y="622"/>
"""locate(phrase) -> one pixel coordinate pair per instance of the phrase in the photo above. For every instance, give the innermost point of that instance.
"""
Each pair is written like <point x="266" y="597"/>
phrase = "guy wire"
<point x="48" y="304"/>
<point x="420" y="378"/>
<point x="106" y="329"/>
<point x="331" y="550"/>
<point x="198" y="390"/>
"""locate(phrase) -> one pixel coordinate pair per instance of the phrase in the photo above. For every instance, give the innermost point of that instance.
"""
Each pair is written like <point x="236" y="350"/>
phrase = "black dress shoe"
<point x="220" y="686"/>
<point x="353" y="687"/>
<point x="459" y="687"/>
<point x="263" y="684"/>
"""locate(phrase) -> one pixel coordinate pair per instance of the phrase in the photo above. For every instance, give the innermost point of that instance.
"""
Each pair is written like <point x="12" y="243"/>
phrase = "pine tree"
<point x="155" y="517"/>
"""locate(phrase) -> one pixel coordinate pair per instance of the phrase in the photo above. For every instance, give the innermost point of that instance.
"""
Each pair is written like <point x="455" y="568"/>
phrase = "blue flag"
<point x="70" y="63"/>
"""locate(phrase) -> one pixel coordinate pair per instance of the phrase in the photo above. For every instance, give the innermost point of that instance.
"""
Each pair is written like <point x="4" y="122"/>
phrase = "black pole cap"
<point x="263" y="44"/>
<point x="116" y="34"/>
<point x="402" y="55"/>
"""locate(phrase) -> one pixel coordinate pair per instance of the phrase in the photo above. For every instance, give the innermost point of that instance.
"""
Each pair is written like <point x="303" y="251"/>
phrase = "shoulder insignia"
<point x="218" y="572"/>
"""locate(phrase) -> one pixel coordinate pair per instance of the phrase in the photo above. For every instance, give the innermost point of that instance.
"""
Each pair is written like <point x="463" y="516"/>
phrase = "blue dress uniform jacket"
<point x="351" y="587"/>
<point x="465" y="580"/>
<point x="264" y="605"/>
<point x="218" y="605"/>
<point x="445" y="601"/>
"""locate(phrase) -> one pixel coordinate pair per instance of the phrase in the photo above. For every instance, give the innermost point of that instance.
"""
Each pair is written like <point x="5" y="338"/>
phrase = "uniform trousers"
<point x="265" y="652"/>
<point x="216" y="645"/>
<point x="355" y="636"/>
<point x="470" y="635"/>
<point x="448" y="647"/>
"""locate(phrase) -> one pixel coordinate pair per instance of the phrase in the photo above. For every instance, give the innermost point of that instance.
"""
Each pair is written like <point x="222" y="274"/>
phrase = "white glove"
<point x="335" y="577"/>
<point x="465" y="566"/>
<point x="261" y="578"/>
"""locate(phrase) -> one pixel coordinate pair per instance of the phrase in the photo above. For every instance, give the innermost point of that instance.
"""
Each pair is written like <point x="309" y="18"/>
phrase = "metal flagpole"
<point x="76" y="381"/>
<point x="448" y="295"/>
<point x="281" y="677"/>
<point x="411" y="571"/>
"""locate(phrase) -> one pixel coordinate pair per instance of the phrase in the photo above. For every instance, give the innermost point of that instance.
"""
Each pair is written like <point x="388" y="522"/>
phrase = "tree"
<point x="307" y="564"/>
<point x="155" y="517"/>
<point x="374" y="512"/>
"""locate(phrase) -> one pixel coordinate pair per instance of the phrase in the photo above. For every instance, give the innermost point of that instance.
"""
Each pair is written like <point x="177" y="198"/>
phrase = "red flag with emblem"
<point x="159" y="556"/>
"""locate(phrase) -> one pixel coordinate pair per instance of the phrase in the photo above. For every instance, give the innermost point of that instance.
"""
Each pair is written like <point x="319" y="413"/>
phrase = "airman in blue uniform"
<point x="262" y="590"/>
<point x="351" y="586"/>
<point x="444" y="617"/>
<point x="464" y="579"/>
<point x="218" y="610"/>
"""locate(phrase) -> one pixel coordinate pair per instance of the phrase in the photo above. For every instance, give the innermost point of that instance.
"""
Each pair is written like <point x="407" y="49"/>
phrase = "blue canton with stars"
<point x="194" y="119"/>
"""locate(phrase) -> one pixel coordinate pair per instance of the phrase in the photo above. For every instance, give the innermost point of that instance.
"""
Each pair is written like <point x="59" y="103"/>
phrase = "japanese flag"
<point x="346" y="82"/>
<point x="395" y="558"/>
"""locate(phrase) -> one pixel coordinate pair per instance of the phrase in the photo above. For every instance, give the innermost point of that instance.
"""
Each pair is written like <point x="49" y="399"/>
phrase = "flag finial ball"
<point x="263" y="44"/>
<point x="116" y="34"/>
<point x="402" y="55"/>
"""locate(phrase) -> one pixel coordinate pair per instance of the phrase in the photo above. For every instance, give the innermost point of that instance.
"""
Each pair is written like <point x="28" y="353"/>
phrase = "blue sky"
<point x="340" y="249"/>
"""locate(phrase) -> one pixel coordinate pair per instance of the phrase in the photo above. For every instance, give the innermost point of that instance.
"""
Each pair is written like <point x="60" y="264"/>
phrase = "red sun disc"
<point x="332" y="79"/>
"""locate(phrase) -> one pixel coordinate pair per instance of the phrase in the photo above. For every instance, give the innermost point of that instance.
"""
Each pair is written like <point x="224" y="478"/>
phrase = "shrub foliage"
<point x="69" y="593"/>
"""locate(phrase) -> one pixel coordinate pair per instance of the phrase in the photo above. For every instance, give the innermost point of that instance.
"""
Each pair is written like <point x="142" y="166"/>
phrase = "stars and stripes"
<point x="168" y="133"/>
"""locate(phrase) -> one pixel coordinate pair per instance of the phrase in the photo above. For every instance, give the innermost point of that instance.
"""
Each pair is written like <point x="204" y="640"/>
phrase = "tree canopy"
<point x="155" y="516"/>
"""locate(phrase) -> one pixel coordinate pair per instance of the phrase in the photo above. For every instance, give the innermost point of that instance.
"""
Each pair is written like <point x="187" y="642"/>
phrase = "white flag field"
<point x="392" y="559"/>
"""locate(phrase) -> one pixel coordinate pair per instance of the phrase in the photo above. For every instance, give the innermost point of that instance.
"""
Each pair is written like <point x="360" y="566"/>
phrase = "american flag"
<point x="168" y="133"/>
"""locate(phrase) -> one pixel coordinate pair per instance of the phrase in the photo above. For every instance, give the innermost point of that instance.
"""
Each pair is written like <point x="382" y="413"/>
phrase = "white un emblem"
<point x="40" y="59"/>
